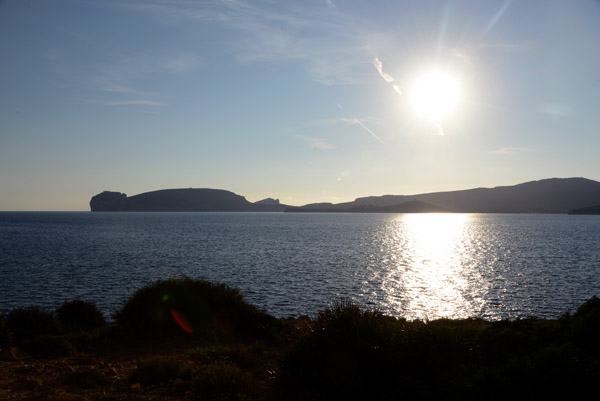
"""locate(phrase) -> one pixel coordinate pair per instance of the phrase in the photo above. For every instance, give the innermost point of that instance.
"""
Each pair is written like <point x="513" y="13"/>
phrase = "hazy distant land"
<point x="554" y="195"/>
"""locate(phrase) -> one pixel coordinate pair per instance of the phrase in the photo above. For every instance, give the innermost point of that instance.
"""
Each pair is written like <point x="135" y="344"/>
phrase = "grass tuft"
<point x="160" y="369"/>
<point x="85" y="378"/>
<point x="223" y="381"/>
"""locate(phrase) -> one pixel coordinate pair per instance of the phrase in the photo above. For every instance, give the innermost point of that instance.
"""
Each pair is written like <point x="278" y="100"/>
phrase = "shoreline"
<point x="163" y="344"/>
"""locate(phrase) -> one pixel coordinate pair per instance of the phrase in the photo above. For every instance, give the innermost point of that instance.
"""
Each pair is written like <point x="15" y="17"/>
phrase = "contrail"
<point x="497" y="17"/>
<point x="357" y="121"/>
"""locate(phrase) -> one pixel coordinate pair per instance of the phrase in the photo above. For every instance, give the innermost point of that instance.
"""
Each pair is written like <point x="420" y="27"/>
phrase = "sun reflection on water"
<point x="431" y="277"/>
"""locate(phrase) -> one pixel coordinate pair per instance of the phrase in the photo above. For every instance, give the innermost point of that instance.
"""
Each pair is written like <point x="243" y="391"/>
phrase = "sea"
<point x="415" y="266"/>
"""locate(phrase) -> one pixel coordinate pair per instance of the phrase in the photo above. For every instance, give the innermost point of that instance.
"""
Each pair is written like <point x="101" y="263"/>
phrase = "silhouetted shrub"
<point x="348" y="354"/>
<point x="48" y="346"/>
<point x="78" y="315"/>
<point x="585" y="324"/>
<point x="508" y="339"/>
<point x="6" y="337"/>
<point x="27" y="323"/>
<point x="176" y="307"/>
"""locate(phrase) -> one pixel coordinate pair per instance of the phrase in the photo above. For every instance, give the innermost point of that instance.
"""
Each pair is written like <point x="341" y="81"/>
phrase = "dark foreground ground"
<point x="192" y="340"/>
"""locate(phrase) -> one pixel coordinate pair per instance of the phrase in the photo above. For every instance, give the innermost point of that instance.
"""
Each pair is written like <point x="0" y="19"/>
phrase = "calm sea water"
<point x="410" y="265"/>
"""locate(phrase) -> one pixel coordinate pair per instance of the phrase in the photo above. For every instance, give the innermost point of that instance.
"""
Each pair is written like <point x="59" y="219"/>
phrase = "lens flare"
<point x="182" y="321"/>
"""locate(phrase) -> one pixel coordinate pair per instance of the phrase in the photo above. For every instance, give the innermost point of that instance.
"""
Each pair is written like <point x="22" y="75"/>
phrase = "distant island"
<point x="554" y="195"/>
<point x="182" y="200"/>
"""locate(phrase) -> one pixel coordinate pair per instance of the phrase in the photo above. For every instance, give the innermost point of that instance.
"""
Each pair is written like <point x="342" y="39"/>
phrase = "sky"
<point x="304" y="101"/>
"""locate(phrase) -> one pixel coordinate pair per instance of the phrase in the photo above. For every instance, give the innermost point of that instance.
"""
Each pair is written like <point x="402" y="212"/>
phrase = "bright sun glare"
<point x="435" y="95"/>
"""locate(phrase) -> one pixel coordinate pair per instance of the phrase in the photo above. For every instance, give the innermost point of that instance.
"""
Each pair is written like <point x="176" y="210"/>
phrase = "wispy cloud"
<point x="509" y="151"/>
<point x="181" y="63"/>
<point x="379" y="66"/>
<point x="438" y="126"/>
<point x="129" y="96"/>
<point x="315" y="143"/>
<point x="114" y="88"/>
<point x="316" y="35"/>
<point x="116" y="69"/>
<point x="387" y="77"/>
<point x="137" y="102"/>
<point x="337" y="120"/>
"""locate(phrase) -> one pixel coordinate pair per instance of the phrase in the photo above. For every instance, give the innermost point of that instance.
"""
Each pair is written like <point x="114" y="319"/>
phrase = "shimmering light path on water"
<point x="410" y="265"/>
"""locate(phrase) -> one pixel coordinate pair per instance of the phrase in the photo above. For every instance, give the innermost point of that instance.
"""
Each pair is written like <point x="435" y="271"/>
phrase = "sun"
<point x="435" y="95"/>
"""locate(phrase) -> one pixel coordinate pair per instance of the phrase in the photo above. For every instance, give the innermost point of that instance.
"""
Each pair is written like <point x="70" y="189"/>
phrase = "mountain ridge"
<point x="552" y="195"/>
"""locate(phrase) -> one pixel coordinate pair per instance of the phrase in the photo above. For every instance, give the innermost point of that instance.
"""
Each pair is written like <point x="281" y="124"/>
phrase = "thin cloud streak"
<point x="113" y="88"/>
<point x="315" y="143"/>
<point x="439" y="128"/>
<point x="271" y="34"/>
<point x="508" y="151"/>
<point x="497" y="16"/>
<point x="140" y="102"/>
<point x="387" y="77"/>
<point x="357" y="121"/>
<point x="379" y="66"/>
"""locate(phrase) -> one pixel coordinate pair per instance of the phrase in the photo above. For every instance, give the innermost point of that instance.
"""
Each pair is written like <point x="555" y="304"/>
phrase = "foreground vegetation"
<point x="191" y="340"/>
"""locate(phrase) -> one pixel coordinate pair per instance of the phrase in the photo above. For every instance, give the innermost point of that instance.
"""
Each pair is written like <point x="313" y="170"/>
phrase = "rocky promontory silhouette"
<point x="180" y="200"/>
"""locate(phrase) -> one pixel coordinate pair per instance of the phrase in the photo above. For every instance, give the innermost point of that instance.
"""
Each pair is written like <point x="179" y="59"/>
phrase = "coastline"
<point x="235" y="351"/>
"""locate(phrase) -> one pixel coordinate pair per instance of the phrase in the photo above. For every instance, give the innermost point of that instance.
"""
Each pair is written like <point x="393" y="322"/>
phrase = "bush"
<point x="6" y="337"/>
<point x="27" y="323"/>
<point x="178" y="307"/>
<point x="78" y="315"/>
<point x="586" y="327"/>
<point x="349" y="353"/>
<point x="48" y="346"/>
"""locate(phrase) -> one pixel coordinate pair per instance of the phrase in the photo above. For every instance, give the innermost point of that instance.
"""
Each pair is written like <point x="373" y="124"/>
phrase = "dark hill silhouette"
<point x="412" y="206"/>
<point x="554" y="195"/>
<point x="179" y="200"/>
<point x="587" y="210"/>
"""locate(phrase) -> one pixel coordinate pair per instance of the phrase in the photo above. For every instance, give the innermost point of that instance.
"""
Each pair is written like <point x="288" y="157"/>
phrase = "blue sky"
<point x="302" y="101"/>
